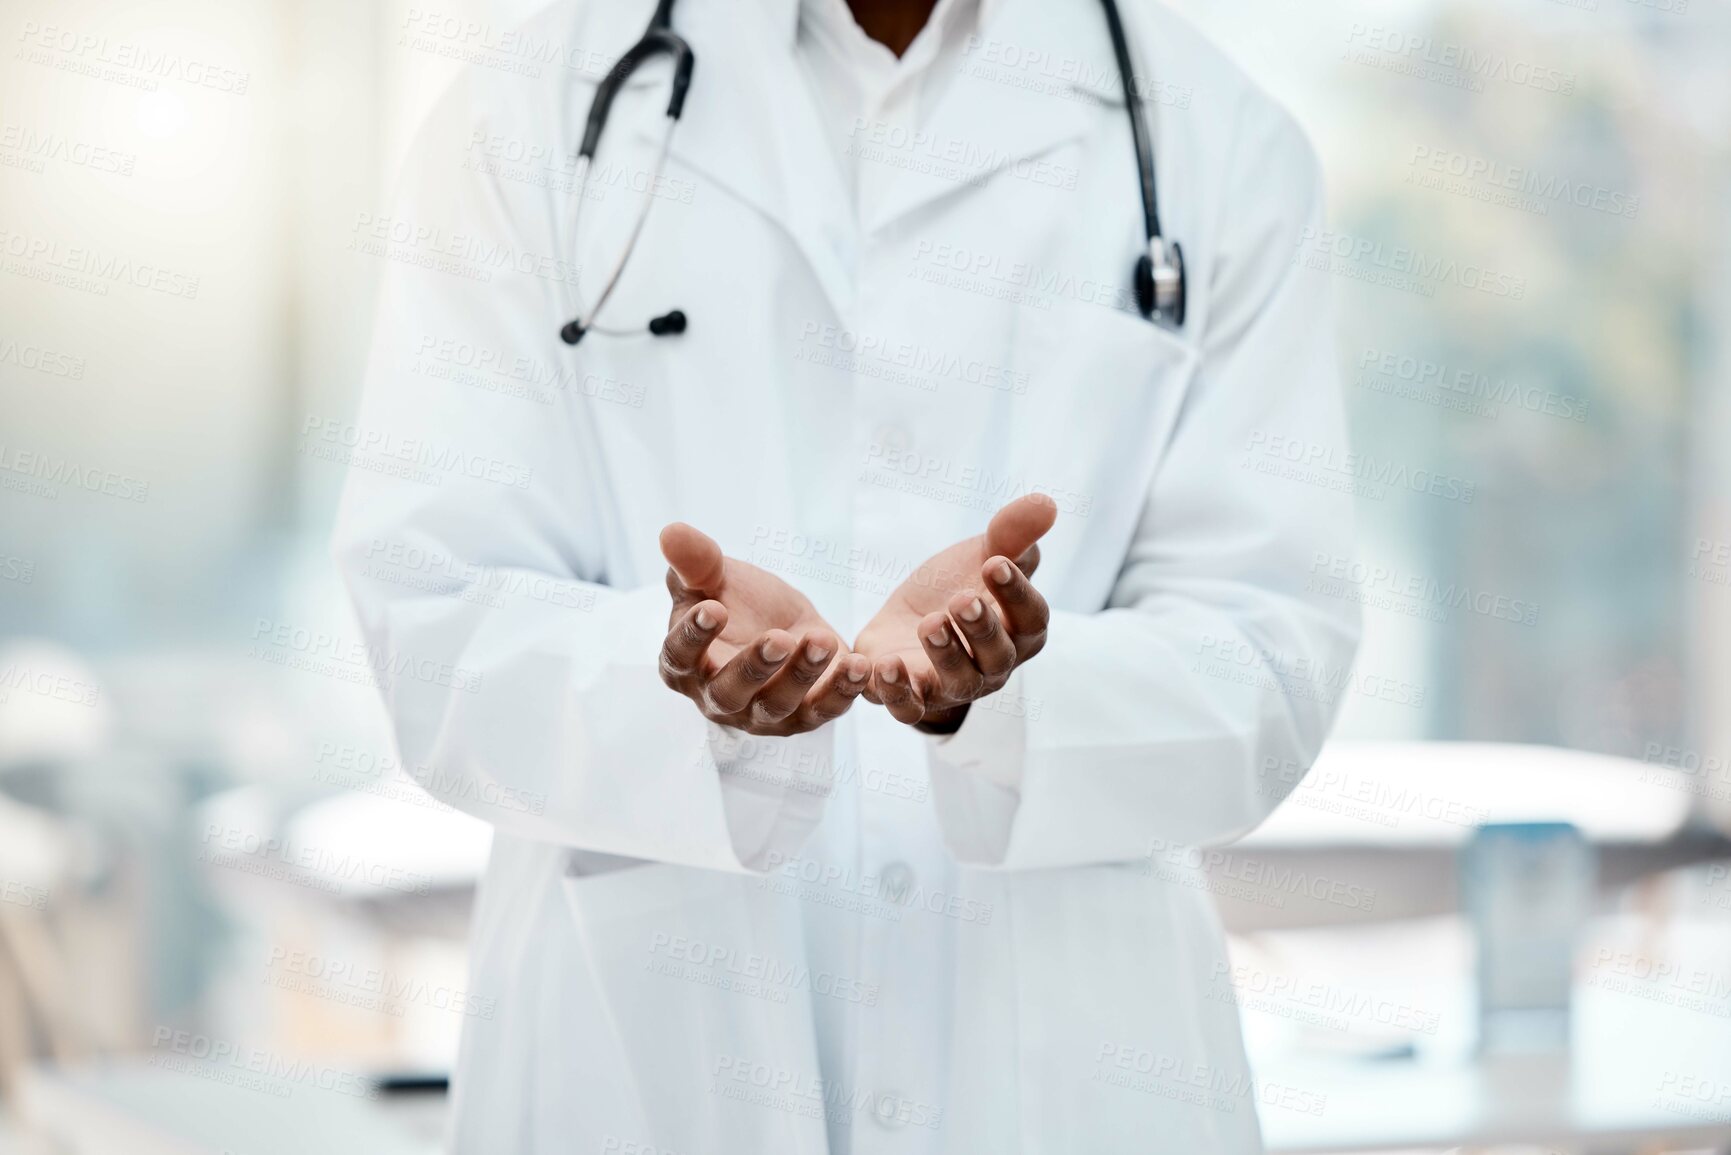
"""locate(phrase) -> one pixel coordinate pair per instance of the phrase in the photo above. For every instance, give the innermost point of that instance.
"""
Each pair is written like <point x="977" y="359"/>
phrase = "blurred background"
<point x="1533" y="766"/>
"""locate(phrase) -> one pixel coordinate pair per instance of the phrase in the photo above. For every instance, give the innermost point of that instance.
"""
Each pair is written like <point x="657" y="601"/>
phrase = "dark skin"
<point x="961" y="623"/>
<point x="892" y="23"/>
<point x="753" y="653"/>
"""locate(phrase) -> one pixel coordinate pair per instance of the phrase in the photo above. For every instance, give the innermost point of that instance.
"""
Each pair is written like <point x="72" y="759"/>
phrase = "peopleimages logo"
<point x="31" y="149"/>
<point x="750" y="972"/>
<point x="23" y="894"/>
<point x="48" y="684"/>
<point x="1218" y="1088"/>
<point x="1418" y="52"/>
<point x="512" y="49"/>
<point x="321" y="868"/>
<point x="370" y="988"/>
<point x="350" y="659"/>
<point x="468" y="255"/>
<point x="1400" y="266"/>
<point x="809" y="1095"/>
<point x="43" y="474"/>
<point x="963" y="482"/>
<point x="136" y="65"/>
<point x="1035" y="69"/>
<point x="86" y="269"/>
<point x="881" y="894"/>
<point x="1375" y="584"/>
<point x="1170" y="861"/>
<point x="949" y="158"/>
<point x="1022" y="282"/>
<point x="1459" y="388"/>
<point x="1315" y="1001"/>
<point x="1375" y="473"/>
<point x="41" y="359"/>
<point x="411" y="458"/>
<point x="344" y="763"/>
<point x="1517" y="186"/>
<point x="1297" y="782"/>
<point x="254" y="1068"/>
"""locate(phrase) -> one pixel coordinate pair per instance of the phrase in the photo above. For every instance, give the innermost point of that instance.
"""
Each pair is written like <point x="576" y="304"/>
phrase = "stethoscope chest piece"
<point x="1160" y="283"/>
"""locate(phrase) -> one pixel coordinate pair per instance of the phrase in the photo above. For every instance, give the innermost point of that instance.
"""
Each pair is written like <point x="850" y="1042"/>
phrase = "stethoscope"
<point x="1159" y="276"/>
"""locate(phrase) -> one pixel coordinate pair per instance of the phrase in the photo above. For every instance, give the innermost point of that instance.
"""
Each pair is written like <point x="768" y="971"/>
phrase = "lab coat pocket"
<point x="702" y="973"/>
<point x="1102" y="394"/>
<point x="1126" y="1029"/>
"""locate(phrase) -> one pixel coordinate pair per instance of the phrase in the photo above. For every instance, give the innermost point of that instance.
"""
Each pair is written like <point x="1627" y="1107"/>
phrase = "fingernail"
<point x="817" y="652"/>
<point x="704" y="620"/>
<point x="939" y="637"/>
<point x="972" y="611"/>
<point x="891" y="675"/>
<point x="856" y="674"/>
<point x="774" y="650"/>
<point x="1001" y="573"/>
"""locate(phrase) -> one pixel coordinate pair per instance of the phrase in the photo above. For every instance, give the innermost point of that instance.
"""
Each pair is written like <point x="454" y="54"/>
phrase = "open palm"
<point x="747" y="647"/>
<point x="951" y="597"/>
<point x="757" y="601"/>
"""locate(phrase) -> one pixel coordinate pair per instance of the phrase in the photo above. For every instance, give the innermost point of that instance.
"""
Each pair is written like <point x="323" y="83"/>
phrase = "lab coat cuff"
<point x="773" y="790"/>
<point x="991" y="741"/>
<point x="977" y="776"/>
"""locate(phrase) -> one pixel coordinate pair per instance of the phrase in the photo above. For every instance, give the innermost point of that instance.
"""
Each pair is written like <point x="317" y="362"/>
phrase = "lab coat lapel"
<point x="751" y="126"/>
<point x="1020" y="90"/>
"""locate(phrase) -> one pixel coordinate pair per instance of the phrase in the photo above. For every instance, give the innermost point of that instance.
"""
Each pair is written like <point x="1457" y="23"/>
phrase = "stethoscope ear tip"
<point x="571" y="333"/>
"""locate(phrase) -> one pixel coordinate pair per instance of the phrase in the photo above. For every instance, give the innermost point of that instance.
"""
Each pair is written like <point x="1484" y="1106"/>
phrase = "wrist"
<point x="943" y="721"/>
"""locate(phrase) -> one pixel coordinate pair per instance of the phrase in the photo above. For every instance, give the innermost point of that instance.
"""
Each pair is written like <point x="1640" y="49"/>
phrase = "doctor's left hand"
<point x="961" y="623"/>
<point x="750" y="650"/>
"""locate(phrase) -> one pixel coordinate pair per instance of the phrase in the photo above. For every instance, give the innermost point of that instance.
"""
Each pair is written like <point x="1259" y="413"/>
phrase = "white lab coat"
<point x="859" y="940"/>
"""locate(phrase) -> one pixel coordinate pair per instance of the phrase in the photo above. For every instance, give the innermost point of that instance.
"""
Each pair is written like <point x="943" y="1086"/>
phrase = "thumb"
<point x="1015" y="528"/>
<point x="694" y="556"/>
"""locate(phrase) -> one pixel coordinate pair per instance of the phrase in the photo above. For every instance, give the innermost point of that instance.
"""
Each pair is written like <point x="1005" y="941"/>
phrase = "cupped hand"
<point x="750" y="650"/>
<point x="961" y="623"/>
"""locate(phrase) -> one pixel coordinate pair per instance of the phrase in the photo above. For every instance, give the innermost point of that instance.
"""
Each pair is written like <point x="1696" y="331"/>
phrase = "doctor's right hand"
<point x="750" y="650"/>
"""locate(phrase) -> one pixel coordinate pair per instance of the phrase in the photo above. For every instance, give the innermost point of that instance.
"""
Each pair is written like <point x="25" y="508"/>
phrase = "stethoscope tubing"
<point x="585" y="162"/>
<point x="1139" y="134"/>
<point x="1159" y="275"/>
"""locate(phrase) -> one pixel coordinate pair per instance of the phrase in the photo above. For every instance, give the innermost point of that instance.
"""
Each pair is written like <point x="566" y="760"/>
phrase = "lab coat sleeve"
<point x="1184" y="710"/>
<point x="521" y="677"/>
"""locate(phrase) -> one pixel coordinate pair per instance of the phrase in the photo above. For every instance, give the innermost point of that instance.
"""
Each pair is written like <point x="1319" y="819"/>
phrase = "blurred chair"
<point x="37" y="861"/>
<point x="55" y="713"/>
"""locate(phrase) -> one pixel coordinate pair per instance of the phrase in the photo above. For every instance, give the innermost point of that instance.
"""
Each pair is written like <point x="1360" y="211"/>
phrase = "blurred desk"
<point x="1435" y="794"/>
<point x="1649" y="1063"/>
<point x="1608" y="1109"/>
<point x="1393" y="816"/>
<point x="138" y="1109"/>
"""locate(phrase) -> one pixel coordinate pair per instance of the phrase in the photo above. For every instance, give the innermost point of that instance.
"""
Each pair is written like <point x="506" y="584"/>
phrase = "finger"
<point x="689" y="638"/>
<point x="955" y="676"/>
<point x="738" y="682"/>
<point x="694" y="556"/>
<point x="1025" y="612"/>
<point x="847" y="680"/>
<point x="1029" y="561"/>
<point x="787" y="690"/>
<point x="994" y="652"/>
<point x="1015" y="528"/>
<point x="895" y="690"/>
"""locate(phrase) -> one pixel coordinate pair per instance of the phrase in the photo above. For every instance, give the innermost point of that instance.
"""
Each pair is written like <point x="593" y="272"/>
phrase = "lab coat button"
<point x="887" y="1111"/>
<point x="891" y="438"/>
<point x="896" y="882"/>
